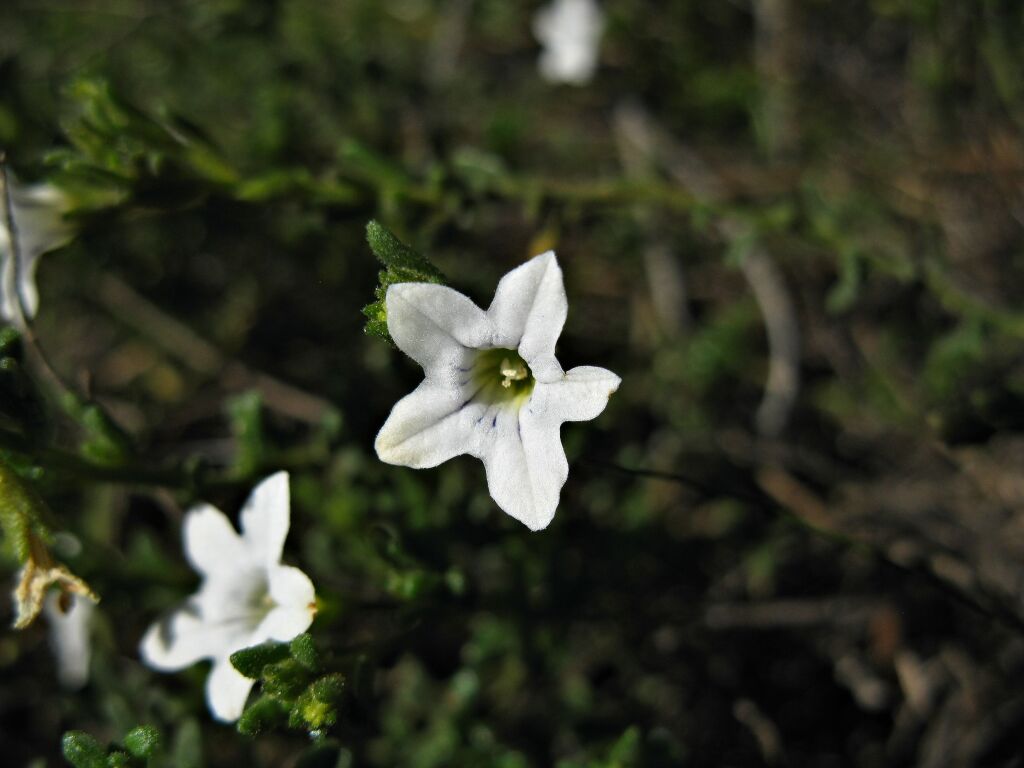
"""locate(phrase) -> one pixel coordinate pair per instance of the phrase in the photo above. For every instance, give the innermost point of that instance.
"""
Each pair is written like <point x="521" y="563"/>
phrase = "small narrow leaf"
<point x="285" y="679"/>
<point x="304" y="651"/>
<point x="404" y="265"/>
<point x="251" y="661"/>
<point x="262" y="715"/>
<point x="317" y="707"/>
<point x="395" y="254"/>
<point x="142" y="741"/>
<point x="83" y="751"/>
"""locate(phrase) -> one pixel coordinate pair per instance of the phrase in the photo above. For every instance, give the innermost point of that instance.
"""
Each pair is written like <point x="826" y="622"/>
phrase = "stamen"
<point x="512" y="372"/>
<point x="500" y="376"/>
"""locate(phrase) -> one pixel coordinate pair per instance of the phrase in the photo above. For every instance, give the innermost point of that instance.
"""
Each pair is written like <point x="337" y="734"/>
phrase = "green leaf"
<point x="251" y="661"/>
<point x="83" y="751"/>
<point x="626" y="750"/>
<point x="317" y="707"/>
<point x="285" y="679"/>
<point x="264" y="714"/>
<point x="843" y="294"/>
<point x="395" y="255"/>
<point x="20" y="402"/>
<point x="304" y="651"/>
<point x="142" y="741"/>
<point x="404" y="265"/>
<point x="21" y="512"/>
<point x="10" y="342"/>
<point x="246" y="414"/>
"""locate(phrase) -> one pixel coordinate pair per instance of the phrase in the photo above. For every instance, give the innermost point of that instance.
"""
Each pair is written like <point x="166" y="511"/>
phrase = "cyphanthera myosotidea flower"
<point x="69" y="618"/>
<point x="37" y="212"/>
<point x="493" y="388"/>
<point x="246" y="596"/>
<point x="569" y="31"/>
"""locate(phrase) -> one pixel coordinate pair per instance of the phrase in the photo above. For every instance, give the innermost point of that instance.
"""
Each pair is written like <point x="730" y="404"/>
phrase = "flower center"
<point x="257" y="601"/>
<point x="501" y="376"/>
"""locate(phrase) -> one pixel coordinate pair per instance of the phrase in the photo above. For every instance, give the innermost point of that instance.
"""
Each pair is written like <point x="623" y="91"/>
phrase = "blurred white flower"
<point x="493" y="388"/>
<point x="570" y="32"/>
<point x="38" y="214"/>
<point x="246" y="596"/>
<point x="69" y="636"/>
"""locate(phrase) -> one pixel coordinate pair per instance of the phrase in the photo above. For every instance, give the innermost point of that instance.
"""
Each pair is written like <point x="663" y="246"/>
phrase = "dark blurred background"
<point x="793" y="227"/>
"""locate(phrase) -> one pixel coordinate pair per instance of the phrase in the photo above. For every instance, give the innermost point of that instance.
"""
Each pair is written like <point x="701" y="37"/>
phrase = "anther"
<point x="512" y="372"/>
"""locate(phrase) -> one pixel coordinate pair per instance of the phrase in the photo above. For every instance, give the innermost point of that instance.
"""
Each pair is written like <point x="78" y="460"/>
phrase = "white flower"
<point x="493" y="388"/>
<point x="569" y="31"/>
<point x="69" y="637"/>
<point x="246" y="596"/>
<point x="38" y="214"/>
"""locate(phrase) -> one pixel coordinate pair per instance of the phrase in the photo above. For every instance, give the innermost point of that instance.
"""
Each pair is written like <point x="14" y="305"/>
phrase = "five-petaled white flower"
<point x="69" y="636"/>
<point x="569" y="31"/>
<point x="493" y="388"/>
<point x="246" y="596"/>
<point x="38" y="214"/>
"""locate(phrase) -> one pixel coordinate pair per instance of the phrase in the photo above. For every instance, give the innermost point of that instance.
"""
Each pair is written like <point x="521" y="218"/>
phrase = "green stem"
<point x="525" y="189"/>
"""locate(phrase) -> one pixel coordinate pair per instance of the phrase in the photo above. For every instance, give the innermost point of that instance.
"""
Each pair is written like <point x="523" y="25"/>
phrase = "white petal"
<point x="435" y="326"/>
<point x="529" y="307"/>
<point x="182" y="638"/>
<point x="291" y="588"/>
<point x="38" y="220"/>
<point x="226" y="691"/>
<point x="526" y="469"/>
<point x="211" y="543"/>
<point x="27" y="283"/>
<point x="265" y="519"/>
<point x="283" y="624"/>
<point x="545" y="368"/>
<point x="69" y="637"/>
<point x="570" y="31"/>
<point x="430" y="425"/>
<point x="580" y="395"/>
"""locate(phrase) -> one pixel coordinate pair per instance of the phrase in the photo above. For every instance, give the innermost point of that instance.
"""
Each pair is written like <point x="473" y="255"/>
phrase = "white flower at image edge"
<point x="38" y="214"/>
<point x="69" y="636"/>
<point x="493" y="388"/>
<point x="570" y="33"/>
<point x="246" y="596"/>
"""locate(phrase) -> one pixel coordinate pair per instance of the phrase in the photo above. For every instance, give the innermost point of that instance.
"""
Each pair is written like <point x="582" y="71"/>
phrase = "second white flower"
<point x="246" y="597"/>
